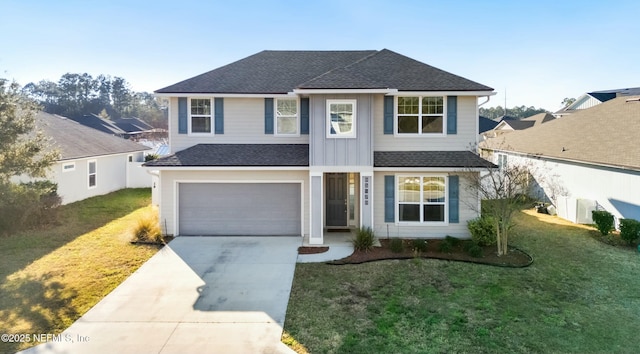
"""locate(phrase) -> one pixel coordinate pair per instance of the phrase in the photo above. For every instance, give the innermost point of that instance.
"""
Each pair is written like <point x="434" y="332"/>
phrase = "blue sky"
<point x="538" y="51"/>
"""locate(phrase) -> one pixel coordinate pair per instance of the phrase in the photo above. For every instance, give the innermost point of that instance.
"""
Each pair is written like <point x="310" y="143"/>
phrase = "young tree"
<point x="502" y="190"/>
<point x="23" y="151"/>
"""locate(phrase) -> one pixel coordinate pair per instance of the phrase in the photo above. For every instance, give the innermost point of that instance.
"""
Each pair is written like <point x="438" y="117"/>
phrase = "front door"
<point x="336" y="199"/>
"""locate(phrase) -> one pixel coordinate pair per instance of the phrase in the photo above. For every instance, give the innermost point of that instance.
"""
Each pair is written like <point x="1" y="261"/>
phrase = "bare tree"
<point x="503" y="191"/>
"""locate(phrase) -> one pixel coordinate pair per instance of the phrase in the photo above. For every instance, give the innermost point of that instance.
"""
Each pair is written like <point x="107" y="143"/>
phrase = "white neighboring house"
<point x="91" y="162"/>
<point x="588" y="160"/>
<point x="591" y="99"/>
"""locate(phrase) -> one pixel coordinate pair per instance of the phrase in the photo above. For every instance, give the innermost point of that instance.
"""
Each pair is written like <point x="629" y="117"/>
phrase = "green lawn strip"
<point x="51" y="277"/>
<point x="579" y="296"/>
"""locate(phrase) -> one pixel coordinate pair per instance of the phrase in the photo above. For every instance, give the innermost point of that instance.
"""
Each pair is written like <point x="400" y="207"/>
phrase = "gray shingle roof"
<point x="430" y="159"/>
<point x="75" y="140"/>
<point x="237" y="155"/>
<point x="604" y="134"/>
<point x="283" y="71"/>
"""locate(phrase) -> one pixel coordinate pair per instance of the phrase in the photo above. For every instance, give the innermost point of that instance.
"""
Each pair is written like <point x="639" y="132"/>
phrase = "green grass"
<point x="51" y="277"/>
<point x="579" y="296"/>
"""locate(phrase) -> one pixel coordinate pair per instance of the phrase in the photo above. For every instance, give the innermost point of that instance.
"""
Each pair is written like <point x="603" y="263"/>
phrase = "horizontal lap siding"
<point x="464" y="139"/>
<point x="615" y="190"/>
<point x="243" y="124"/>
<point x="167" y="212"/>
<point x="468" y="206"/>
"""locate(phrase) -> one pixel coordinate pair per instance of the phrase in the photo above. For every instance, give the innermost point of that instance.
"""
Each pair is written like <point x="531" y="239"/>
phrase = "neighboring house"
<point x="97" y="123"/>
<point x="594" y="98"/>
<point x="486" y="124"/>
<point x="132" y="125"/>
<point x="91" y="162"/>
<point x="588" y="160"/>
<point x="508" y="124"/>
<point x="121" y="127"/>
<point x="304" y="142"/>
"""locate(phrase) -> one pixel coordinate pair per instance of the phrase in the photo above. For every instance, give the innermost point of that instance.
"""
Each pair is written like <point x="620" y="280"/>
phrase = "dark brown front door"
<point x="336" y="199"/>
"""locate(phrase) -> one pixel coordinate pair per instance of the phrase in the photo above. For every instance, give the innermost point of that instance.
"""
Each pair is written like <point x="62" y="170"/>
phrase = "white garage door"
<point x="229" y="209"/>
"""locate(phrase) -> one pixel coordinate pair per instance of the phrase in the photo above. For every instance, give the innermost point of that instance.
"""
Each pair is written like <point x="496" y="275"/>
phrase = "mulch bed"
<point x="312" y="250"/>
<point x="515" y="258"/>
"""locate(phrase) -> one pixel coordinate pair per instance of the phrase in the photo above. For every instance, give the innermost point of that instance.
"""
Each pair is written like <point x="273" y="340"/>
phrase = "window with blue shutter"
<point x="454" y="199"/>
<point x="452" y="114"/>
<point x="219" y="115"/>
<point x="389" y="198"/>
<point x="304" y="115"/>
<point x="182" y="115"/>
<point x="388" y="114"/>
<point x="268" y="115"/>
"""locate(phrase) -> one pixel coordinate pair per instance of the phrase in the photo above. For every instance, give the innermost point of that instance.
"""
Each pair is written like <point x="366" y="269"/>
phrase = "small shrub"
<point x="454" y="241"/>
<point x="473" y="249"/>
<point x="603" y="220"/>
<point x="396" y="245"/>
<point x="148" y="230"/>
<point x="483" y="230"/>
<point x="629" y="230"/>
<point x="445" y="246"/>
<point x="364" y="240"/>
<point x="419" y="245"/>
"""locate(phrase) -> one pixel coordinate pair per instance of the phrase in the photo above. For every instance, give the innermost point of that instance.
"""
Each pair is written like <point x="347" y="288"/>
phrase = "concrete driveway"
<point x="196" y="295"/>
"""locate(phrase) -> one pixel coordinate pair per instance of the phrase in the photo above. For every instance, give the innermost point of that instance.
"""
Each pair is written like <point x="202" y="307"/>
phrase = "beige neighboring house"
<point x="588" y="160"/>
<point x="91" y="162"/>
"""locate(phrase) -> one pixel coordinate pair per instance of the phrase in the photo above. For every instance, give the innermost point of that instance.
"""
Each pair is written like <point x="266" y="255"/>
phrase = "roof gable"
<point x="273" y="72"/>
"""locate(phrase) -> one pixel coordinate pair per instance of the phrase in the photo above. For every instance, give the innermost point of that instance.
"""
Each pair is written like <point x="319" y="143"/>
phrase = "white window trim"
<point x="73" y="167"/>
<point x="212" y="116"/>
<point x="420" y="134"/>
<point x="275" y="117"/>
<point x="328" y="119"/>
<point x="504" y="163"/>
<point x="89" y="174"/>
<point x="421" y="201"/>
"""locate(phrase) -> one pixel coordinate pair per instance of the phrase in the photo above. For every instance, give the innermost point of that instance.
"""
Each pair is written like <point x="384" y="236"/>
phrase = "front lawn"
<point x="579" y="296"/>
<point x="49" y="278"/>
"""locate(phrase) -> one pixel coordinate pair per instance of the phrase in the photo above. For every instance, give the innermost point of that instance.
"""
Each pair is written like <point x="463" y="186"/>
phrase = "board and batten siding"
<point x="168" y="205"/>
<point x="468" y="210"/>
<point x="243" y="124"/>
<point x="464" y="139"/>
<point x="325" y="151"/>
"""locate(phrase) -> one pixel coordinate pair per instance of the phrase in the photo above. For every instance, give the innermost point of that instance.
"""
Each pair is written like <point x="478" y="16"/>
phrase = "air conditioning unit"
<point x="584" y="207"/>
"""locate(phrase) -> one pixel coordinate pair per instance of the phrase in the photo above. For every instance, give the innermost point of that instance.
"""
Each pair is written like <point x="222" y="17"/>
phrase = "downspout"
<point x="488" y="98"/>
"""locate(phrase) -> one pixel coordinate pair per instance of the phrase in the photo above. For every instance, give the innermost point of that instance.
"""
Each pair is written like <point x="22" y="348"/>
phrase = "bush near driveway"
<point x="49" y="278"/>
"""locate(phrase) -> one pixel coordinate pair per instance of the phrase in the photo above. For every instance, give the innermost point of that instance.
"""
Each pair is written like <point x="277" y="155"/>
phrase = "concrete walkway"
<point x="196" y="295"/>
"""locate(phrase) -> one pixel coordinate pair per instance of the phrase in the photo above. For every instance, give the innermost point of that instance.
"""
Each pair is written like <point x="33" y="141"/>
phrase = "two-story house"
<point x="301" y="142"/>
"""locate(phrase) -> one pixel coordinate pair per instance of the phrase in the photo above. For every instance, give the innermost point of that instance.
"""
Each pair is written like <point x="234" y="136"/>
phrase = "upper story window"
<point x="200" y="115"/>
<point x="422" y="199"/>
<point x="420" y="115"/>
<point x="341" y="118"/>
<point x="286" y="116"/>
